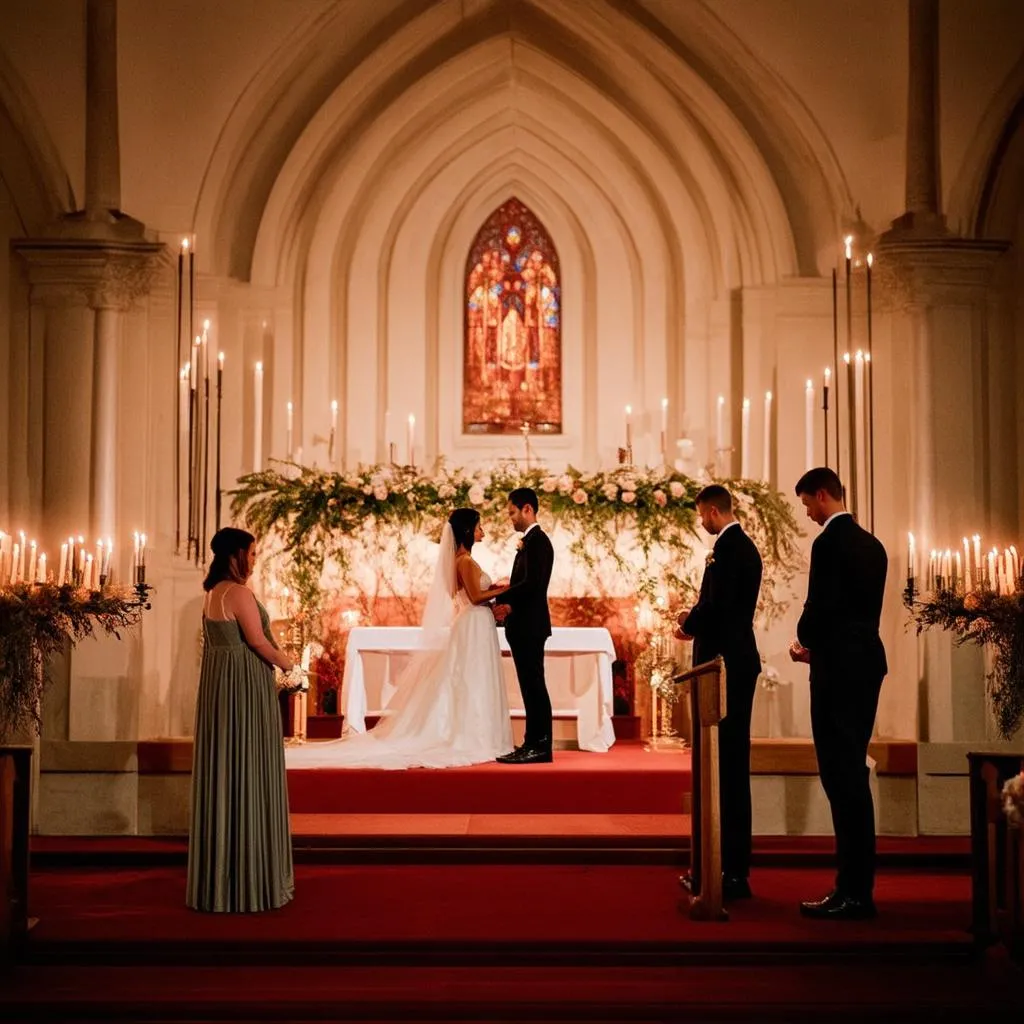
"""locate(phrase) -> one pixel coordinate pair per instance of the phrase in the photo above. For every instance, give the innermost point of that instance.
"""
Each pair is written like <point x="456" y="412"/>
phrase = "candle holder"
<point x="626" y="457"/>
<point x="392" y="454"/>
<point x="142" y="589"/>
<point x="910" y="592"/>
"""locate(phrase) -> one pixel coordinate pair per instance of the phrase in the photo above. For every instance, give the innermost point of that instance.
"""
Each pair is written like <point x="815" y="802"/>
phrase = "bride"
<point x="449" y="708"/>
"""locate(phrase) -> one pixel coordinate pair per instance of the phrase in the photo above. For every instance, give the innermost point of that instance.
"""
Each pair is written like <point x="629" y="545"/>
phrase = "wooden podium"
<point x="707" y="708"/>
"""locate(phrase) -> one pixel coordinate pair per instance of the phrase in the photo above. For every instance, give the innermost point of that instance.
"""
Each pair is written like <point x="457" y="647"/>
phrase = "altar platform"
<point x="627" y="797"/>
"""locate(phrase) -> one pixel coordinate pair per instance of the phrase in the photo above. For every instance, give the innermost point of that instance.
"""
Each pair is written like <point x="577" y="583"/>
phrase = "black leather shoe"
<point x="837" y="907"/>
<point x="736" y="887"/>
<point x="535" y="755"/>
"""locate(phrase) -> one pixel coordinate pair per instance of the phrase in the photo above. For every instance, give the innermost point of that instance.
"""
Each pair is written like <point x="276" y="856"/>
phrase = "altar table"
<point x="578" y="669"/>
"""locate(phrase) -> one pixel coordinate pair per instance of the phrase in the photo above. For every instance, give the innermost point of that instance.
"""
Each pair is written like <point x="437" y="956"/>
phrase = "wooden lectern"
<point x="707" y="708"/>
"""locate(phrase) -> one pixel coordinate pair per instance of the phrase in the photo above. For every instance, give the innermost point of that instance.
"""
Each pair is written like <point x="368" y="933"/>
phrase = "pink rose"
<point x="579" y="496"/>
<point x="660" y="497"/>
<point x="628" y="497"/>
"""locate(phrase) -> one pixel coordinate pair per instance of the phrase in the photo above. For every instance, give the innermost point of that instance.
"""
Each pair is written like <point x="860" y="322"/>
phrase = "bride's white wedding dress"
<point x="450" y="707"/>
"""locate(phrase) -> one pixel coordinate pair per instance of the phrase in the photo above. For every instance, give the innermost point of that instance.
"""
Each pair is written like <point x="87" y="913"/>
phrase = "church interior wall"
<point x="695" y="165"/>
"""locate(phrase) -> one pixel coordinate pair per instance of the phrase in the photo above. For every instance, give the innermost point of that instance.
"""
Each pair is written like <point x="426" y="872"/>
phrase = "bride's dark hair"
<point x="463" y="523"/>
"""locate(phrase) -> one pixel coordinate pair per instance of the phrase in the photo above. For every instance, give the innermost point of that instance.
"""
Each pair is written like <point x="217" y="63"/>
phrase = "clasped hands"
<point x="501" y="611"/>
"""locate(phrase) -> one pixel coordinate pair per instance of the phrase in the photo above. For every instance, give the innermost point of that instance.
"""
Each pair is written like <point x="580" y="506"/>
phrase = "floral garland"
<point x="312" y="517"/>
<point x="984" y="617"/>
<point x="38" y="620"/>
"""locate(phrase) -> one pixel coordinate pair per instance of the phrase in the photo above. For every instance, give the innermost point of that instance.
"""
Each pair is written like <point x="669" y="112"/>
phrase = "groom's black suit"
<point x="839" y="626"/>
<point x="527" y="629"/>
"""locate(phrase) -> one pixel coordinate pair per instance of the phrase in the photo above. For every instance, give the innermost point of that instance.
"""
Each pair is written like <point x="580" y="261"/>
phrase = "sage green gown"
<point x="240" y="850"/>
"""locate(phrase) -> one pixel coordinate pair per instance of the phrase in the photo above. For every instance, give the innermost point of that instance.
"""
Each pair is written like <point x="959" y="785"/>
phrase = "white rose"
<point x="610" y="491"/>
<point x="579" y="496"/>
<point x="367" y="489"/>
<point x="676" y="489"/>
<point x="628" y="483"/>
<point x="445" y="491"/>
<point x="565" y="483"/>
<point x="476" y="494"/>
<point x="485" y="480"/>
<point x="380" y="492"/>
<point x="628" y="497"/>
<point x="549" y="484"/>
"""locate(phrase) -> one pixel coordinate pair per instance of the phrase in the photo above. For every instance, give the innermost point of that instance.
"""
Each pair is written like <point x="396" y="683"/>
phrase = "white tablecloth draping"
<point x="578" y="669"/>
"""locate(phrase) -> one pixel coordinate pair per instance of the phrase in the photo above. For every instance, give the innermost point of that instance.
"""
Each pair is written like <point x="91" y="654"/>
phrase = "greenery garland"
<point x="311" y="516"/>
<point x="38" y="620"/>
<point x="984" y="618"/>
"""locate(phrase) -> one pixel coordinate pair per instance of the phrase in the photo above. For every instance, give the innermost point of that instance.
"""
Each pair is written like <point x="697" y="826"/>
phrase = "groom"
<point x="524" y="608"/>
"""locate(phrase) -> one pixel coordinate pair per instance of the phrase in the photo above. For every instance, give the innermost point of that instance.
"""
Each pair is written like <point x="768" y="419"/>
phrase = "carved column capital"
<point x="921" y="272"/>
<point x="98" y="274"/>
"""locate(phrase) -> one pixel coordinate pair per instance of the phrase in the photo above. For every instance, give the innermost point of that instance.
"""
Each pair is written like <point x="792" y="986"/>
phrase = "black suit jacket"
<point x="722" y="620"/>
<point x="839" y="624"/>
<point x="527" y="594"/>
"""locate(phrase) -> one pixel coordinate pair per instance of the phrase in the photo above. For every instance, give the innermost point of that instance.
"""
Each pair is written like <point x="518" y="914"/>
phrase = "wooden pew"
<point x="707" y="708"/>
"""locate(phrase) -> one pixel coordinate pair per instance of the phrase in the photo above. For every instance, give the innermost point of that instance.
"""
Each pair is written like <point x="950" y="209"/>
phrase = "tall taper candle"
<point x="870" y="367"/>
<point x="766" y="458"/>
<point x="835" y="365"/>
<point x="334" y="433"/>
<point x="745" y="441"/>
<point x="257" y="417"/>
<point x="220" y="406"/>
<point x="826" y="383"/>
<point x="410" y="441"/>
<point x="911" y="559"/>
<point x="664" y="431"/>
<point x="967" y="567"/>
<point x="289" y="425"/>
<point x="720" y="431"/>
<point x="809" y="424"/>
<point x="629" y="426"/>
<point x="41" y="570"/>
<point x="852" y="422"/>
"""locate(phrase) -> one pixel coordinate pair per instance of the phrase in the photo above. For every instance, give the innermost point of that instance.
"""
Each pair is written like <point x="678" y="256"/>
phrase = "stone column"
<point x="102" y="140"/>
<point x="83" y="288"/>
<point x="923" y="183"/>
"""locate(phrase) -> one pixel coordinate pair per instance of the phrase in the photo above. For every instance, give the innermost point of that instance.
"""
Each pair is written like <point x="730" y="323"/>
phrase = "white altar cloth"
<point x="578" y="670"/>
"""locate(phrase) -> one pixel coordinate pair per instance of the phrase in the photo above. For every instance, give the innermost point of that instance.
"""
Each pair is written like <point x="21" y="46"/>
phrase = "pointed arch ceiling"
<point x="729" y="165"/>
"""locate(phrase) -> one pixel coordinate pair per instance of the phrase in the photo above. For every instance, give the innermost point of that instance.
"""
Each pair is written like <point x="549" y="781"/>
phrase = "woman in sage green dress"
<point x="240" y="850"/>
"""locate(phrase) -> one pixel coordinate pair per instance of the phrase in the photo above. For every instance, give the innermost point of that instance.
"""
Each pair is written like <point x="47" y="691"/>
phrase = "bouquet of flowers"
<point x="295" y="681"/>
<point x="1013" y="800"/>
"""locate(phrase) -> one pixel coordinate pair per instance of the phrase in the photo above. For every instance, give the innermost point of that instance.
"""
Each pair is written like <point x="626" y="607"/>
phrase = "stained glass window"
<point x="512" y="371"/>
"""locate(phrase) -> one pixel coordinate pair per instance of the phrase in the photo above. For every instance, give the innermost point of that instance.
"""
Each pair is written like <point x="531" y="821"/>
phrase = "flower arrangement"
<point x="38" y="620"/>
<point x="1013" y="799"/>
<point x="983" y="617"/>
<point x="626" y="522"/>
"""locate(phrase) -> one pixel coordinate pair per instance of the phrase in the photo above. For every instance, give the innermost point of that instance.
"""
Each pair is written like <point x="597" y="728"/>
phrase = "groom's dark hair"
<point x="523" y="496"/>
<point x="716" y="496"/>
<point x="463" y="523"/>
<point x="821" y="478"/>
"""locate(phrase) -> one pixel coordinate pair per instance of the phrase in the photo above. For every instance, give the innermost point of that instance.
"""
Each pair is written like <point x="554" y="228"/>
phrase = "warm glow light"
<point x="259" y="367"/>
<point x="334" y="406"/>
<point x="846" y="358"/>
<point x="220" y="359"/>
<point x="184" y="245"/>
<point x="871" y="259"/>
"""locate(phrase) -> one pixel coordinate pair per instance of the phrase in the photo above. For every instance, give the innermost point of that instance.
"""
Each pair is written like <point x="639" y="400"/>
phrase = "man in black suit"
<point x="722" y="623"/>
<point x="838" y="637"/>
<point x="524" y="610"/>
